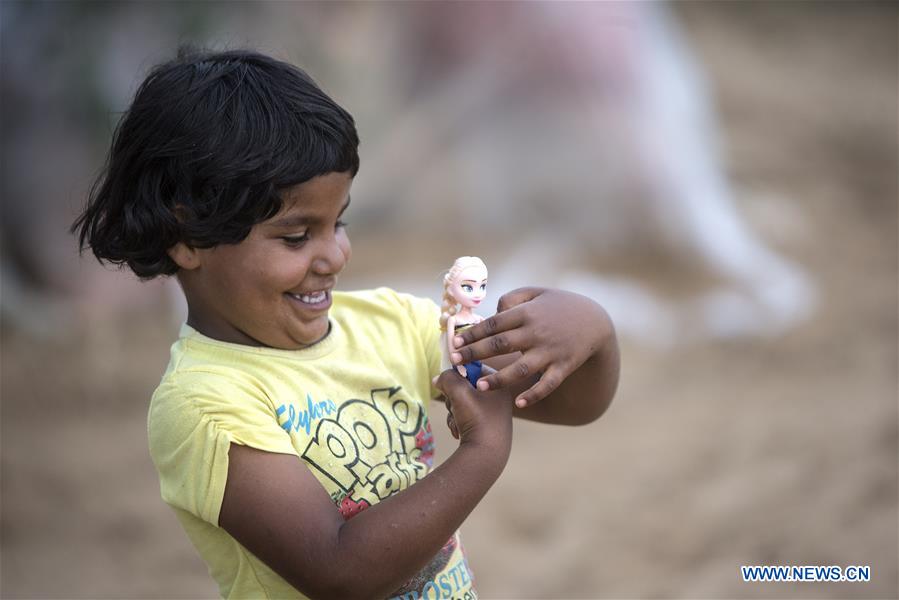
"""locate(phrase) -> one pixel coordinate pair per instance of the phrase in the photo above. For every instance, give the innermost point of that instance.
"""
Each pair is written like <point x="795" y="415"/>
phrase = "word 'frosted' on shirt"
<point x="448" y="584"/>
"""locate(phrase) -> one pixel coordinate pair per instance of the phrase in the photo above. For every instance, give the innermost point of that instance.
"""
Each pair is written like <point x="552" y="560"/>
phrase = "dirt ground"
<point x="714" y="455"/>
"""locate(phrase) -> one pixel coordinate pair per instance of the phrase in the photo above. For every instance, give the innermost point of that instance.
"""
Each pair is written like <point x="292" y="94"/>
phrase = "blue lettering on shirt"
<point x="443" y="580"/>
<point x="443" y="586"/>
<point x="460" y="571"/>
<point x="304" y="418"/>
<point x="430" y="591"/>
<point x="465" y="571"/>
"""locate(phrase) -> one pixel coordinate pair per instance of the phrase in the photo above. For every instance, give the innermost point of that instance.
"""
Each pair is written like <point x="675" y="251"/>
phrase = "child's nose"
<point x="332" y="256"/>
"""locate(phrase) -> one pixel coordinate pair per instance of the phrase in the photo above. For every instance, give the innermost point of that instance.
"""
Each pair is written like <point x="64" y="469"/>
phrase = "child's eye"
<point x="340" y="224"/>
<point x="466" y="288"/>
<point x="295" y="240"/>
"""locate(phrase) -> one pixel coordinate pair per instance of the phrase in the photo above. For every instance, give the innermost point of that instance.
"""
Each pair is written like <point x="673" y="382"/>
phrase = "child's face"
<point x="274" y="288"/>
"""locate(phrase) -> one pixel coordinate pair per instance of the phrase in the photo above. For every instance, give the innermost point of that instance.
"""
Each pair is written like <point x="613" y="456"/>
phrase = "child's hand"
<point x="478" y="417"/>
<point x="555" y="331"/>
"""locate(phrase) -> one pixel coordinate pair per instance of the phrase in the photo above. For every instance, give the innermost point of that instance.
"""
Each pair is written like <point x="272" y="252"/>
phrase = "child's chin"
<point x="318" y="332"/>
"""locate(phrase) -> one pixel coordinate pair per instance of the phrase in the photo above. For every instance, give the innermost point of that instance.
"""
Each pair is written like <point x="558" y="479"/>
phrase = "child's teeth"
<point x="313" y="298"/>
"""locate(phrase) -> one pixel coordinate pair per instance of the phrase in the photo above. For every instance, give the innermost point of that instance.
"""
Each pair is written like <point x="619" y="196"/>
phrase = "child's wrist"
<point x="490" y="448"/>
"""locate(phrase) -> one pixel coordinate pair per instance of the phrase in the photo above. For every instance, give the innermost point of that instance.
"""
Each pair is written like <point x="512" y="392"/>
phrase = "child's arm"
<point x="274" y="506"/>
<point x="555" y="351"/>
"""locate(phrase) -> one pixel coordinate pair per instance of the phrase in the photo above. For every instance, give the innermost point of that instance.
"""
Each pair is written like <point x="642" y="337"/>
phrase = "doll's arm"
<point x="450" y="334"/>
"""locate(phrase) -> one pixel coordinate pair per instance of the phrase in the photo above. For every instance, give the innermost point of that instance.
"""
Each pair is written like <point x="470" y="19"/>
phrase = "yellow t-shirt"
<point x="353" y="407"/>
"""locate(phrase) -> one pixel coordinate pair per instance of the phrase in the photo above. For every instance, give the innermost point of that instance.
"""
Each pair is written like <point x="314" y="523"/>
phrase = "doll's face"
<point x="470" y="288"/>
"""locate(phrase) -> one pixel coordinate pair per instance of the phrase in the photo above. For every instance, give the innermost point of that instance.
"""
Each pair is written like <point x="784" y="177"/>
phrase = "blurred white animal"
<point x="577" y="135"/>
<point x="583" y="132"/>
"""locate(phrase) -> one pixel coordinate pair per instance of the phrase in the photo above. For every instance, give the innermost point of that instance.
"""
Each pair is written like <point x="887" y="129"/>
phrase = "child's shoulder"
<point x="385" y="302"/>
<point x="385" y="316"/>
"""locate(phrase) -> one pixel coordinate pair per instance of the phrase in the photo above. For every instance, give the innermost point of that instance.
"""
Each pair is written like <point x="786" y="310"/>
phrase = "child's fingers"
<point x="472" y="415"/>
<point x="527" y="365"/>
<point x="451" y="423"/>
<point x="487" y="370"/>
<point x="453" y="386"/>
<point x="517" y="296"/>
<point x="450" y="419"/>
<point x="489" y="326"/>
<point x="547" y="384"/>
<point x="498" y="344"/>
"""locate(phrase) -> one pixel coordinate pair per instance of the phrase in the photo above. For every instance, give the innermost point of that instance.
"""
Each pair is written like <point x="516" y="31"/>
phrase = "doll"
<point x="464" y="288"/>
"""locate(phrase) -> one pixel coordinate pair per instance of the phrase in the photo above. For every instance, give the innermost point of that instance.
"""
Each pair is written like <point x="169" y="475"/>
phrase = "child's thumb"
<point x="453" y="385"/>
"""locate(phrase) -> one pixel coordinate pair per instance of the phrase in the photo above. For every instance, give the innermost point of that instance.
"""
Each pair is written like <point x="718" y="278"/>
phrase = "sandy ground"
<point x="713" y="455"/>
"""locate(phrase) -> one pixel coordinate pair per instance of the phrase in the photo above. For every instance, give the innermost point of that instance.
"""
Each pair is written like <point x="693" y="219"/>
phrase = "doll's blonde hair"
<point x="451" y="305"/>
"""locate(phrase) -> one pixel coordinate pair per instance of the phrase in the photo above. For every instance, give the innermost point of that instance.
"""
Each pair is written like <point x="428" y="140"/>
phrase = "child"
<point x="290" y="429"/>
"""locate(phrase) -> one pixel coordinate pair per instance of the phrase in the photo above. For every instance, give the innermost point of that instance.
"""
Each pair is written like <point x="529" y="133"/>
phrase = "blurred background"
<point x="721" y="176"/>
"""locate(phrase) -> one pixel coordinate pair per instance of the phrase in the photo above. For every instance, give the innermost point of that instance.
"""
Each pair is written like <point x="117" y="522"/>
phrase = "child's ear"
<point x="184" y="256"/>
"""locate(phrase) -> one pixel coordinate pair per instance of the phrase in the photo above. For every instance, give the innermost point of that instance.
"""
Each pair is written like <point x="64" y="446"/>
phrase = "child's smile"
<point x="273" y="288"/>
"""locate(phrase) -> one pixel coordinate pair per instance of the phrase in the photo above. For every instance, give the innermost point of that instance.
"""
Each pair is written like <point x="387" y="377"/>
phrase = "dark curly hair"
<point x="202" y="154"/>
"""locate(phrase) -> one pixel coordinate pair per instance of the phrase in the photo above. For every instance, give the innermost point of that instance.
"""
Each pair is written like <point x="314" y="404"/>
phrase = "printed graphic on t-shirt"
<point x="446" y="576"/>
<point x="370" y="449"/>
